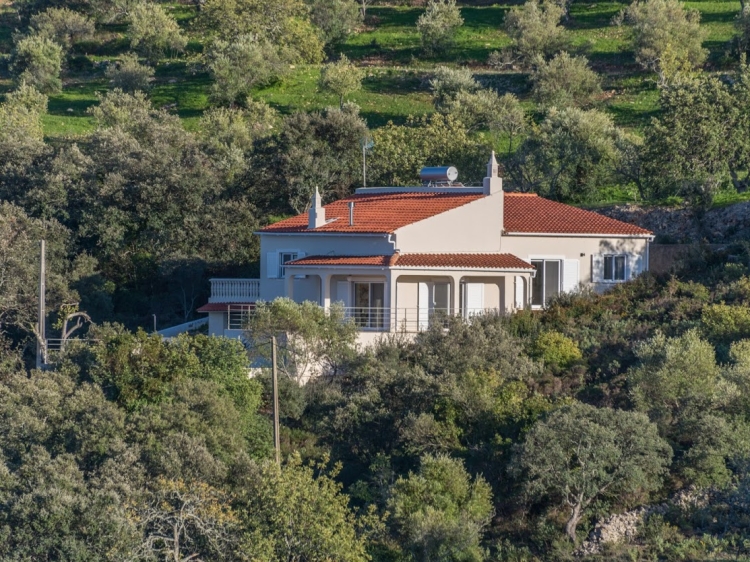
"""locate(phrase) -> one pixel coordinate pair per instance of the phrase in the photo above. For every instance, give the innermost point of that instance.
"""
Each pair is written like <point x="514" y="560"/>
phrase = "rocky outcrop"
<point x="682" y="225"/>
<point x="623" y="527"/>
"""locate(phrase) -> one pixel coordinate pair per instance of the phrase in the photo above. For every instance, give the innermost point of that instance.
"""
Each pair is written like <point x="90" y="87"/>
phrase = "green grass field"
<point x="395" y="84"/>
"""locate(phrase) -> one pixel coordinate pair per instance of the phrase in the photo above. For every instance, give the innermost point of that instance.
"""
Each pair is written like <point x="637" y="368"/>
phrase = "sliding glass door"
<point x="546" y="283"/>
<point x="369" y="305"/>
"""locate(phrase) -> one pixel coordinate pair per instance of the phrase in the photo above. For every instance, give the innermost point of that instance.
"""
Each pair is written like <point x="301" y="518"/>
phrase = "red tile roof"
<point x="378" y="213"/>
<point x="529" y="213"/>
<point x="465" y="261"/>
<point x="469" y="261"/>
<point x="225" y="306"/>
<point x="524" y="213"/>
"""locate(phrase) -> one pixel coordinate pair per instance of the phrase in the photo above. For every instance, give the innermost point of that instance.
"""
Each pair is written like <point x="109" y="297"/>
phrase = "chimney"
<point x="493" y="183"/>
<point x="351" y="213"/>
<point x="316" y="216"/>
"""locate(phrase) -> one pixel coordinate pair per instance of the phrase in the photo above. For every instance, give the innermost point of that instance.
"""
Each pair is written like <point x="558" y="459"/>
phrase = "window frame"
<point x="282" y="262"/>
<point x="614" y="257"/>
<point x="541" y="274"/>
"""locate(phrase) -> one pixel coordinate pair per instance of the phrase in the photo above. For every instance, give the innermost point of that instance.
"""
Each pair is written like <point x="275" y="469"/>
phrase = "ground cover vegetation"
<point x="130" y="447"/>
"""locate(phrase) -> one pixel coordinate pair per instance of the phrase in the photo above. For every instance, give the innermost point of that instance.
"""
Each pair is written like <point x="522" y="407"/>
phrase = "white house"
<point x="396" y="256"/>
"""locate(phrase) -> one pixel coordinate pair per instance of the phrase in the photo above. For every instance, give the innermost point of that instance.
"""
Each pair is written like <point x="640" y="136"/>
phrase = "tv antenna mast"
<point x="366" y="143"/>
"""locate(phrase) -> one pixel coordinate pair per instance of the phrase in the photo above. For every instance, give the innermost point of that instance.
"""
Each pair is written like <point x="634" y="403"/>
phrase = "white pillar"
<point x="456" y="294"/>
<point x="391" y="302"/>
<point x="325" y="289"/>
<point x="289" y="280"/>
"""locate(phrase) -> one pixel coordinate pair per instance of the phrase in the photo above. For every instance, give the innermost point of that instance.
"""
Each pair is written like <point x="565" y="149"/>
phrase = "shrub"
<point x="129" y="75"/>
<point x="154" y="32"/>
<point x="726" y="322"/>
<point x="447" y="82"/>
<point x="535" y="28"/>
<point x="37" y="62"/>
<point x="565" y="81"/>
<point x="438" y="25"/>
<point x="556" y="350"/>
<point x="63" y="26"/>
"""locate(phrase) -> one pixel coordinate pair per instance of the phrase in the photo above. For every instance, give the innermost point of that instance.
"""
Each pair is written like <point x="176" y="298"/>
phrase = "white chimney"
<point x="316" y="216"/>
<point x="493" y="183"/>
<point x="351" y="213"/>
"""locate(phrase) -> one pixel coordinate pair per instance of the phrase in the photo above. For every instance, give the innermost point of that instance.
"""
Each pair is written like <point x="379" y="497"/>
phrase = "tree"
<point x="154" y="32"/>
<point x="284" y="24"/>
<point x="742" y="25"/>
<point x="21" y="132"/>
<point x="337" y="19"/>
<point x="581" y="454"/>
<point x="239" y="65"/>
<point x="447" y="82"/>
<point x="341" y="78"/>
<point x="400" y="151"/>
<point x="312" y="149"/>
<point x="37" y="62"/>
<point x="440" y="513"/>
<point x="567" y="156"/>
<point x="663" y="29"/>
<point x="289" y="513"/>
<point x="565" y="81"/>
<point x="700" y="140"/>
<point x="438" y="25"/>
<point x="535" y="29"/>
<point x="63" y="26"/>
<point x="129" y="75"/>
<point x="182" y="521"/>
<point x="314" y="341"/>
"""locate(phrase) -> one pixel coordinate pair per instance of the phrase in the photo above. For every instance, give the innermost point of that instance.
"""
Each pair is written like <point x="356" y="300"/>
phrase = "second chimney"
<point x="351" y="213"/>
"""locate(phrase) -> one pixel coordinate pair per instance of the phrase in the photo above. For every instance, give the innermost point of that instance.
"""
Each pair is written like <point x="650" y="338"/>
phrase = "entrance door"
<point x="434" y="301"/>
<point x="473" y="299"/>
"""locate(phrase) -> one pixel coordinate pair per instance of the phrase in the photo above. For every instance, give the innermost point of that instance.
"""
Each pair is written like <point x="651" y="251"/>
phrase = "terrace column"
<point x="456" y="294"/>
<point x="391" y="314"/>
<point x="289" y="281"/>
<point x="325" y="290"/>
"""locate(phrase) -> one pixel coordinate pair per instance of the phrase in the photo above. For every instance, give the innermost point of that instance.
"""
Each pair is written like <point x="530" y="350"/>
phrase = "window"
<point x="285" y="257"/>
<point x="614" y="268"/>
<point x="369" y="303"/>
<point x="546" y="284"/>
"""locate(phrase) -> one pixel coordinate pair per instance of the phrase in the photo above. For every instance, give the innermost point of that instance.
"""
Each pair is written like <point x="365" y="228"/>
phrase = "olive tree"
<point x="129" y="75"/>
<point x="154" y="32"/>
<point x="666" y="36"/>
<point x="535" y="29"/>
<point x="438" y="25"/>
<point x="65" y="27"/>
<point x="239" y="65"/>
<point x="565" y="81"/>
<point x="341" y="78"/>
<point x="37" y="61"/>
<point x="582" y="454"/>
<point x="337" y="19"/>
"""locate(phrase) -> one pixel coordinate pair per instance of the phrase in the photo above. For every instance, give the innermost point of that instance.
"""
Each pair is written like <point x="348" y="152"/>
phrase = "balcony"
<point x="234" y="290"/>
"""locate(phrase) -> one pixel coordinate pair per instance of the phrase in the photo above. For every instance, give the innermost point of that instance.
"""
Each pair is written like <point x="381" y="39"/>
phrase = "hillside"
<point x="388" y="47"/>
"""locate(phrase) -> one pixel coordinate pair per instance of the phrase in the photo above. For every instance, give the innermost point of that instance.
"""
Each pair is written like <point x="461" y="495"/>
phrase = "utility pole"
<point x="275" y="391"/>
<point x="41" y="341"/>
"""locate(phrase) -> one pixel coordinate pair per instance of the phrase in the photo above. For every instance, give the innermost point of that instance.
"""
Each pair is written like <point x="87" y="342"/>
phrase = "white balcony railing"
<point x="235" y="290"/>
<point x="373" y="319"/>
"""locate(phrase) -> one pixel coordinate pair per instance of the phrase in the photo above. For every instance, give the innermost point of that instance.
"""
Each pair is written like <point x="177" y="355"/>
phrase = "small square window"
<point x="614" y="268"/>
<point x="285" y="257"/>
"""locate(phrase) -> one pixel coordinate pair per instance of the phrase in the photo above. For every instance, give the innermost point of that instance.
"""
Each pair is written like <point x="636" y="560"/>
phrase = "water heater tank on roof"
<point x="438" y="174"/>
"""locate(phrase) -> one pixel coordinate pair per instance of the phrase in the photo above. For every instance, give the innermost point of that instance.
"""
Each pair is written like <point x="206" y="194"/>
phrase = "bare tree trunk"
<point x="570" y="526"/>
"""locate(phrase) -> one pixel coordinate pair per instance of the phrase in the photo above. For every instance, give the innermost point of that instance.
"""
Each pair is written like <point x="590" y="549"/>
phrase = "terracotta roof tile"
<point x="524" y="213"/>
<point x="529" y="213"/>
<point x="378" y="213"/>
<point x="467" y="261"/>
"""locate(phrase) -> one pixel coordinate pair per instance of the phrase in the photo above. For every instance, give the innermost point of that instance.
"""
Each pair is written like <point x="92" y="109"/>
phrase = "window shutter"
<point x="635" y="265"/>
<point x="474" y="298"/>
<point x="423" y="310"/>
<point x="272" y="265"/>
<point x="519" y="292"/>
<point x="570" y="276"/>
<point x="597" y="268"/>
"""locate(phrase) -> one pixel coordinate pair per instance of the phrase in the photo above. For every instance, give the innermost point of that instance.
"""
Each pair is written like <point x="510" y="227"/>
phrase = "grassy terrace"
<point x="396" y="71"/>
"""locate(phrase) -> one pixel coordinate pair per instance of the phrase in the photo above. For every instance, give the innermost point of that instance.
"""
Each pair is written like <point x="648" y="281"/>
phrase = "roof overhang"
<point x="649" y="237"/>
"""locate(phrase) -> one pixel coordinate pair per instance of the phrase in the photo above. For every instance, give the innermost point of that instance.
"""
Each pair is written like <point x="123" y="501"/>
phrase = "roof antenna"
<point x="366" y="143"/>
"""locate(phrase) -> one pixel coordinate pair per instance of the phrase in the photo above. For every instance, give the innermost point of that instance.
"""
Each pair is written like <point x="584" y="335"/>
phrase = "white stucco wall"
<point x="474" y="227"/>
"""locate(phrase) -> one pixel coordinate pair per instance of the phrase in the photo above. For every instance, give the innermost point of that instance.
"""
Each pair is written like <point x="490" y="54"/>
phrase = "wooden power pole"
<point x="275" y="391"/>
<point x="41" y="340"/>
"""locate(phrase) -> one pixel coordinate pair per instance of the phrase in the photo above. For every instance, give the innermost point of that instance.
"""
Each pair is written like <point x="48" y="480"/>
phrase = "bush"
<point x="129" y="75"/>
<point x="565" y="81"/>
<point x="556" y="350"/>
<point x="438" y="25"/>
<point x="63" y="26"/>
<point x="154" y="32"/>
<point x="37" y="62"/>
<point x="535" y="28"/>
<point x="726" y="322"/>
<point x="447" y="82"/>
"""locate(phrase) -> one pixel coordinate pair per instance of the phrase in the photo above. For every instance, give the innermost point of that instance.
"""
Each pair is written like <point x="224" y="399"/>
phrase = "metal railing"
<point x="234" y="290"/>
<point x="375" y="319"/>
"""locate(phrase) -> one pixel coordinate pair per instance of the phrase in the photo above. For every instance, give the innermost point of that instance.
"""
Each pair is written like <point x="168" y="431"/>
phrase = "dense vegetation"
<point x="135" y="448"/>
